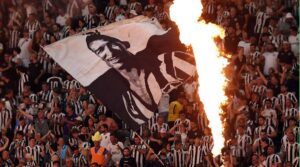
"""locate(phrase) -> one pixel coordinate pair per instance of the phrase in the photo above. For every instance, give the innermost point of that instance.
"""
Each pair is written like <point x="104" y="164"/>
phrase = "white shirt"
<point x="61" y="20"/>
<point x="105" y="140"/>
<point x="163" y="105"/>
<point x="246" y="46"/>
<point x="115" y="151"/>
<point x="270" y="61"/>
<point x="25" y="54"/>
<point x="294" y="41"/>
<point x="189" y="89"/>
<point x="270" y="115"/>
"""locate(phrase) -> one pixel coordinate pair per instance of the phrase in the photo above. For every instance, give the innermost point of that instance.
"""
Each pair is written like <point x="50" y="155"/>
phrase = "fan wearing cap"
<point x="97" y="153"/>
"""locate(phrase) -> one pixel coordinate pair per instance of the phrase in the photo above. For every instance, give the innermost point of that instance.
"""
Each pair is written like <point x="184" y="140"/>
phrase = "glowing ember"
<point x="210" y="64"/>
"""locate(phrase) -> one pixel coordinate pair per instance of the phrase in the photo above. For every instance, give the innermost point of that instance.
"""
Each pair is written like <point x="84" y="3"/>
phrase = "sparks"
<point x="210" y="64"/>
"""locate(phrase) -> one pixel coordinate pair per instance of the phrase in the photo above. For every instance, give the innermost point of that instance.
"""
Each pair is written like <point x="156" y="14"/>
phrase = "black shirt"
<point x="127" y="161"/>
<point x="286" y="57"/>
<point x="34" y="70"/>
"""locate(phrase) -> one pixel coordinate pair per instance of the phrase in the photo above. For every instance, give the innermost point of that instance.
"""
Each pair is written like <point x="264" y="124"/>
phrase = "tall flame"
<point x="209" y="63"/>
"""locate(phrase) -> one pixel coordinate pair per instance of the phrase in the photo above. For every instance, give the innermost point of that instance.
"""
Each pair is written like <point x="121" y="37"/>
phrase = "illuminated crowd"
<point x="48" y="119"/>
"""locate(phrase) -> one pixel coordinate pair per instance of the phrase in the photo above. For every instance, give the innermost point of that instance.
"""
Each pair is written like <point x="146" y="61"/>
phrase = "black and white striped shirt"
<point x="156" y="127"/>
<point x="242" y="142"/>
<point x="45" y="96"/>
<point x="197" y="154"/>
<point x="72" y="142"/>
<point x="272" y="159"/>
<point x="186" y="122"/>
<point x="14" y="36"/>
<point x="24" y="128"/>
<point x="5" y="116"/>
<point x="139" y="158"/>
<point x="261" y="19"/>
<point x="178" y="158"/>
<point x="277" y="40"/>
<point x="254" y="57"/>
<point x="55" y="82"/>
<point x="251" y="8"/>
<point x="22" y="80"/>
<point x="259" y="150"/>
<point x="91" y="21"/>
<point x="71" y="84"/>
<point x="16" y="148"/>
<point x="151" y="6"/>
<point x="79" y="160"/>
<point x="65" y="32"/>
<point x="291" y="151"/>
<point x="34" y="98"/>
<point x="273" y="99"/>
<point x="208" y="141"/>
<point x="109" y="12"/>
<point x="296" y="162"/>
<point x="32" y="27"/>
<point x="35" y="151"/>
<point x="260" y="89"/>
<point x="269" y="129"/>
<point x="283" y="97"/>
<point x="56" y="119"/>
<point x="78" y="108"/>
<point x="46" y="61"/>
<point x="132" y="6"/>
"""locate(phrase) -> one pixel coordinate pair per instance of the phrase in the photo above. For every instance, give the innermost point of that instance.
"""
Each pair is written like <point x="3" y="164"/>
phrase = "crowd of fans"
<point x="48" y="119"/>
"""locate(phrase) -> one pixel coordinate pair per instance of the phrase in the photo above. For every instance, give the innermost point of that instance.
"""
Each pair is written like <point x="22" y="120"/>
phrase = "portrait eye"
<point x="116" y="47"/>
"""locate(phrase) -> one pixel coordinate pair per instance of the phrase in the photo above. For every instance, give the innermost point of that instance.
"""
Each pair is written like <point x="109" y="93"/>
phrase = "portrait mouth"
<point x="113" y="60"/>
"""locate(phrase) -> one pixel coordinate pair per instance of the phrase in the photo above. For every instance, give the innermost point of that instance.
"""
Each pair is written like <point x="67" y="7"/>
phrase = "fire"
<point x="210" y="64"/>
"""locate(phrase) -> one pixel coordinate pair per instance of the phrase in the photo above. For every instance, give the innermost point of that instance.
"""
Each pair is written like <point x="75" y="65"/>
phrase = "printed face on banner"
<point x="110" y="49"/>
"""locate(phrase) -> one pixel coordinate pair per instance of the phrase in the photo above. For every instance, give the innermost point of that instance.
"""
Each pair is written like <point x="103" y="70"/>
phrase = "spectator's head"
<point x="137" y="140"/>
<point x="45" y="86"/>
<point x="126" y="152"/>
<point x="149" y="12"/>
<point x="74" y="133"/>
<point x="261" y="120"/>
<point x="75" y="149"/>
<point x="263" y="133"/>
<point x="19" y="135"/>
<point x="240" y="130"/>
<point x="31" y="17"/>
<point x="292" y="122"/>
<point x="113" y="138"/>
<point x="293" y="30"/>
<point x="33" y="58"/>
<point x="103" y="128"/>
<point x="197" y="140"/>
<point x="233" y="12"/>
<point x="69" y="109"/>
<point x="111" y="3"/>
<point x="102" y="117"/>
<point x="60" y="141"/>
<point x="269" y="93"/>
<point x="270" y="150"/>
<point x="283" y="89"/>
<point x="92" y="8"/>
<point x="255" y="159"/>
<point x="286" y="46"/>
<point x="160" y="120"/>
<point x="268" y="103"/>
<point x="182" y="115"/>
<point x="291" y="136"/>
<point x="32" y="141"/>
<point x="81" y="22"/>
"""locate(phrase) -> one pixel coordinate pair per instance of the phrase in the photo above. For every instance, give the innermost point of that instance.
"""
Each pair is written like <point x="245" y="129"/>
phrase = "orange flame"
<point x="210" y="64"/>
